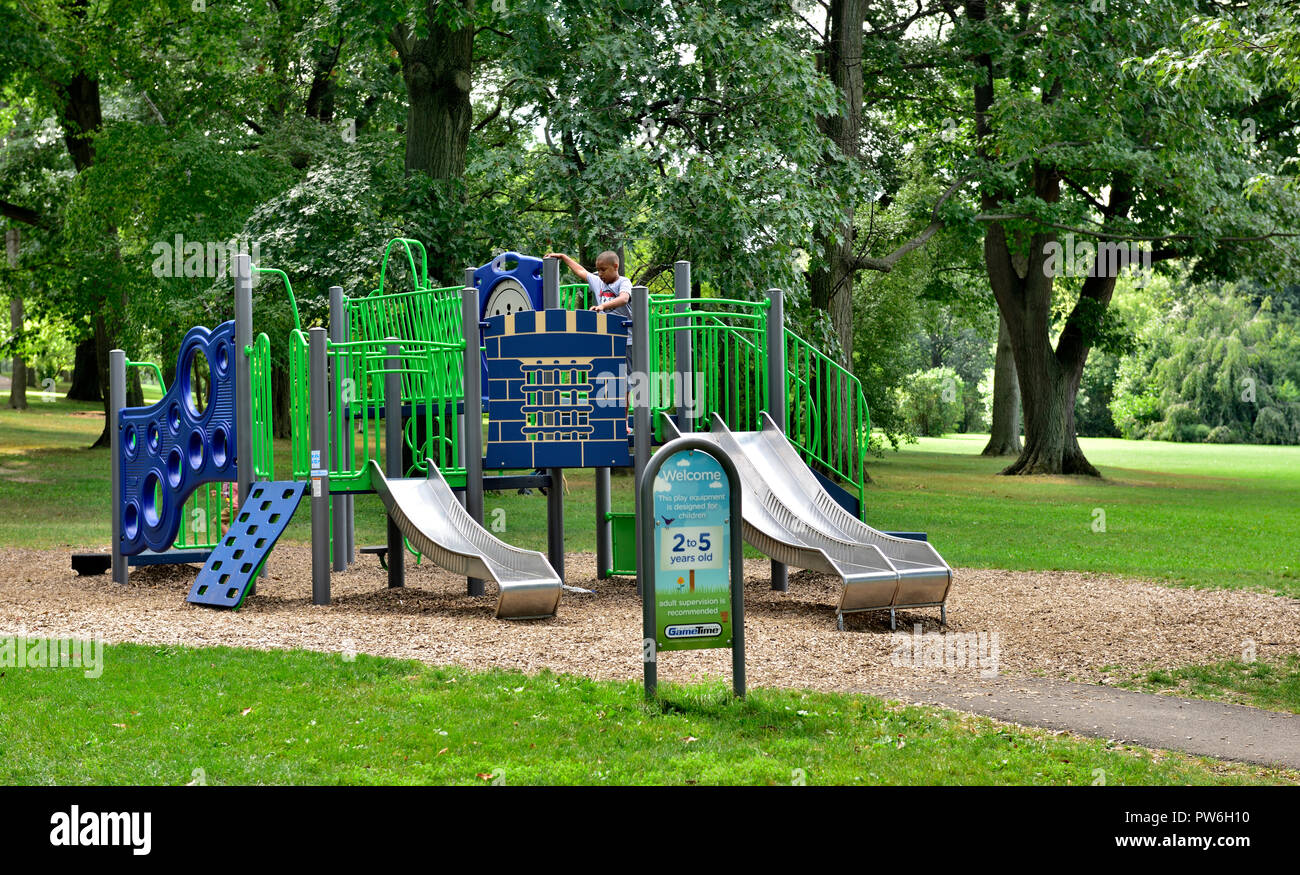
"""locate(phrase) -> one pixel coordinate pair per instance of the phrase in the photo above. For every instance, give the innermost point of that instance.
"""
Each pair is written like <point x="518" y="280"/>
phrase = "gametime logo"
<point x="695" y="630"/>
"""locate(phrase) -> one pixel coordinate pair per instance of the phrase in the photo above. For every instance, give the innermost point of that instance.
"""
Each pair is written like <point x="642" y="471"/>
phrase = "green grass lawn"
<point x="1195" y="514"/>
<point x="159" y="715"/>
<point x="1274" y="686"/>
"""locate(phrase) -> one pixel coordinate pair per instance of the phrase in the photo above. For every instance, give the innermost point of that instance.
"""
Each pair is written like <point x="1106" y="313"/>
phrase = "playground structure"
<point x="552" y="375"/>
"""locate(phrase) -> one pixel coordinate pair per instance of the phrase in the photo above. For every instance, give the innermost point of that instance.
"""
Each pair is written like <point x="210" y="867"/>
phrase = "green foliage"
<point x="933" y="401"/>
<point x="1213" y="364"/>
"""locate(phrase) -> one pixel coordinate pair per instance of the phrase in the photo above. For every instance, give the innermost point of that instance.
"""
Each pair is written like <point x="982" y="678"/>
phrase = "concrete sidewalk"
<point x="1227" y="732"/>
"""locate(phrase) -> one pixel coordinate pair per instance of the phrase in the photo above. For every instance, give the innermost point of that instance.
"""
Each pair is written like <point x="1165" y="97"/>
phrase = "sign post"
<point x="692" y="568"/>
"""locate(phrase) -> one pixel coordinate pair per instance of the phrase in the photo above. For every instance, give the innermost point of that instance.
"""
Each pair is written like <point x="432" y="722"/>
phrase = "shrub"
<point x="1271" y="427"/>
<point x="1222" y="434"/>
<point x="932" y="401"/>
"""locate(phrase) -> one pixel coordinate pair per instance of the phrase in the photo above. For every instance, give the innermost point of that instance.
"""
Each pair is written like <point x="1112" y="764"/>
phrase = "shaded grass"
<point x="158" y="715"/>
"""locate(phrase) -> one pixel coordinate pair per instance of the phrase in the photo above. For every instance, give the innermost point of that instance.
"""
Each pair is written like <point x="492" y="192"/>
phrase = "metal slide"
<point x="428" y="513"/>
<point x="791" y="518"/>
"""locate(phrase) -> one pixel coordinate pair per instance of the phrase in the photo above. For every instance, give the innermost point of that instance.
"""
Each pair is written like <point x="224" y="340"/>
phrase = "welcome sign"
<point x="692" y="553"/>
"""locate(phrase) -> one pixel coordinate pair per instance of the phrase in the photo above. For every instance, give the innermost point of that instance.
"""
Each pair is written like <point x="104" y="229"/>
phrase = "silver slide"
<point x="428" y="513"/>
<point x="789" y="517"/>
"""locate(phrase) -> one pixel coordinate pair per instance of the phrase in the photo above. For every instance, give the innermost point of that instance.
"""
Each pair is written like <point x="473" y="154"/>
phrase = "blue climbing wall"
<point x="556" y="388"/>
<point x="170" y="448"/>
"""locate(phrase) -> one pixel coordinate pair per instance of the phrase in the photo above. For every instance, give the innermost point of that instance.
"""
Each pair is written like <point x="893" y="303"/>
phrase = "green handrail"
<point x="420" y="277"/>
<point x="156" y="370"/>
<point x="293" y="301"/>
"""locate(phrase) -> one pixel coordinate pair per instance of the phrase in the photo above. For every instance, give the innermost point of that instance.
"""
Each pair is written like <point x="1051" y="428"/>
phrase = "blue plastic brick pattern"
<point x="234" y="563"/>
<point x="556" y="390"/>
<point x="171" y="448"/>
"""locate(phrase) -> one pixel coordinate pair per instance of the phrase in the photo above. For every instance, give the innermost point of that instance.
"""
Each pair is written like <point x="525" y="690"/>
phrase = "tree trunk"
<point x="437" y="73"/>
<point x="281" y="424"/>
<point x="85" y="377"/>
<point x="103" y="343"/>
<point x="18" y="379"/>
<point x="831" y="285"/>
<point x="1004" y="439"/>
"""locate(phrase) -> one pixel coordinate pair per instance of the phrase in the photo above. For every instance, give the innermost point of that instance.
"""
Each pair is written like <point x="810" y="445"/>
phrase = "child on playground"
<point x="611" y="291"/>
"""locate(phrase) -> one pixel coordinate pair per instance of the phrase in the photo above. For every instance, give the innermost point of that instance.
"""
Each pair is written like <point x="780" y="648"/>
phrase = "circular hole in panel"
<point x="130" y="439"/>
<point x="196" y="449"/>
<point x="131" y="521"/>
<point x="174" y="468"/>
<point x="223" y="358"/>
<point x="220" y="447"/>
<point x="152" y="436"/>
<point x="174" y="418"/>
<point x="196" y="385"/>
<point x="154" y="500"/>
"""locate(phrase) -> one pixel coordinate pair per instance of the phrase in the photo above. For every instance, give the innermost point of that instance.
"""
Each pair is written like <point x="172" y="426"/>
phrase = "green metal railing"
<point x="826" y="412"/>
<point x="827" y="417"/>
<point x="575" y="296"/>
<point x="432" y="384"/>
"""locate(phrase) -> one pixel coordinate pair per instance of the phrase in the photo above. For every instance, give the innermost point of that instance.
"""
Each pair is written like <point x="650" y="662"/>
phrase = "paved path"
<point x="1228" y="732"/>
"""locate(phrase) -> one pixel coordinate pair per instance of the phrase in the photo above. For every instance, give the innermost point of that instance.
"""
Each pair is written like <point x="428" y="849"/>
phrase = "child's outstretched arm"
<point x="578" y="270"/>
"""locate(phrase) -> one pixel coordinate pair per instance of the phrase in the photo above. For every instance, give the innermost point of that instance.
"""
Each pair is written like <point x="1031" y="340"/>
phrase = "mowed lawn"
<point x="1194" y="514"/>
<point x="172" y="715"/>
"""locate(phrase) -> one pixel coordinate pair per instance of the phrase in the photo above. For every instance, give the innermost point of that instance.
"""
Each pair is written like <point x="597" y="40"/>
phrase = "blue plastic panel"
<point x="169" y="449"/>
<point x="234" y="563"/>
<point x="556" y="387"/>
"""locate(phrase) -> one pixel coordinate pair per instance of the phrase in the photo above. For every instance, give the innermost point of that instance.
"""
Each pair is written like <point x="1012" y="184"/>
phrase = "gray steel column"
<point x="320" y="481"/>
<point x="604" y="539"/>
<point x="776" y="401"/>
<point x="640" y="405"/>
<point x="244" y="473"/>
<point x="116" y="401"/>
<point x="469" y="314"/>
<point x="338" y="502"/>
<point x="393" y="454"/>
<point x="682" y="348"/>
<point x="555" y="494"/>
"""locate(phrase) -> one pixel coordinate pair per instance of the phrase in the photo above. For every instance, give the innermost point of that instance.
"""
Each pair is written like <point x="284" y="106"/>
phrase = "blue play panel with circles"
<point x="172" y="447"/>
<point x="235" y="562"/>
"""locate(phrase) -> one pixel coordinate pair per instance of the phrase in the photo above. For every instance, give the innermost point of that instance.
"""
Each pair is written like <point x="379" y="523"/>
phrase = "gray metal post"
<point x="116" y="401"/>
<point x="320" y="481"/>
<point x="473" y="417"/>
<point x="555" y="494"/>
<point x="244" y="473"/>
<point x="393" y="454"/>
<point x="682" y="348"/>
<point x="339" y="503"/>
<point x="604" y="528"/>
<point x="776" y="400"/>
<point x="640" y="405"/>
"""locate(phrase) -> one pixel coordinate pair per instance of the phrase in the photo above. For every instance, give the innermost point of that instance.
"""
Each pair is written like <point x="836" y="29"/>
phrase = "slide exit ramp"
<point x="791" y="518"/>
<point x="435" y="522"/>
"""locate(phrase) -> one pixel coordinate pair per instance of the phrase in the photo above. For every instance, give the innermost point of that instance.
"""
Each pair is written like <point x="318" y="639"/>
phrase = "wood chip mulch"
<point x="1084" y="627"/>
